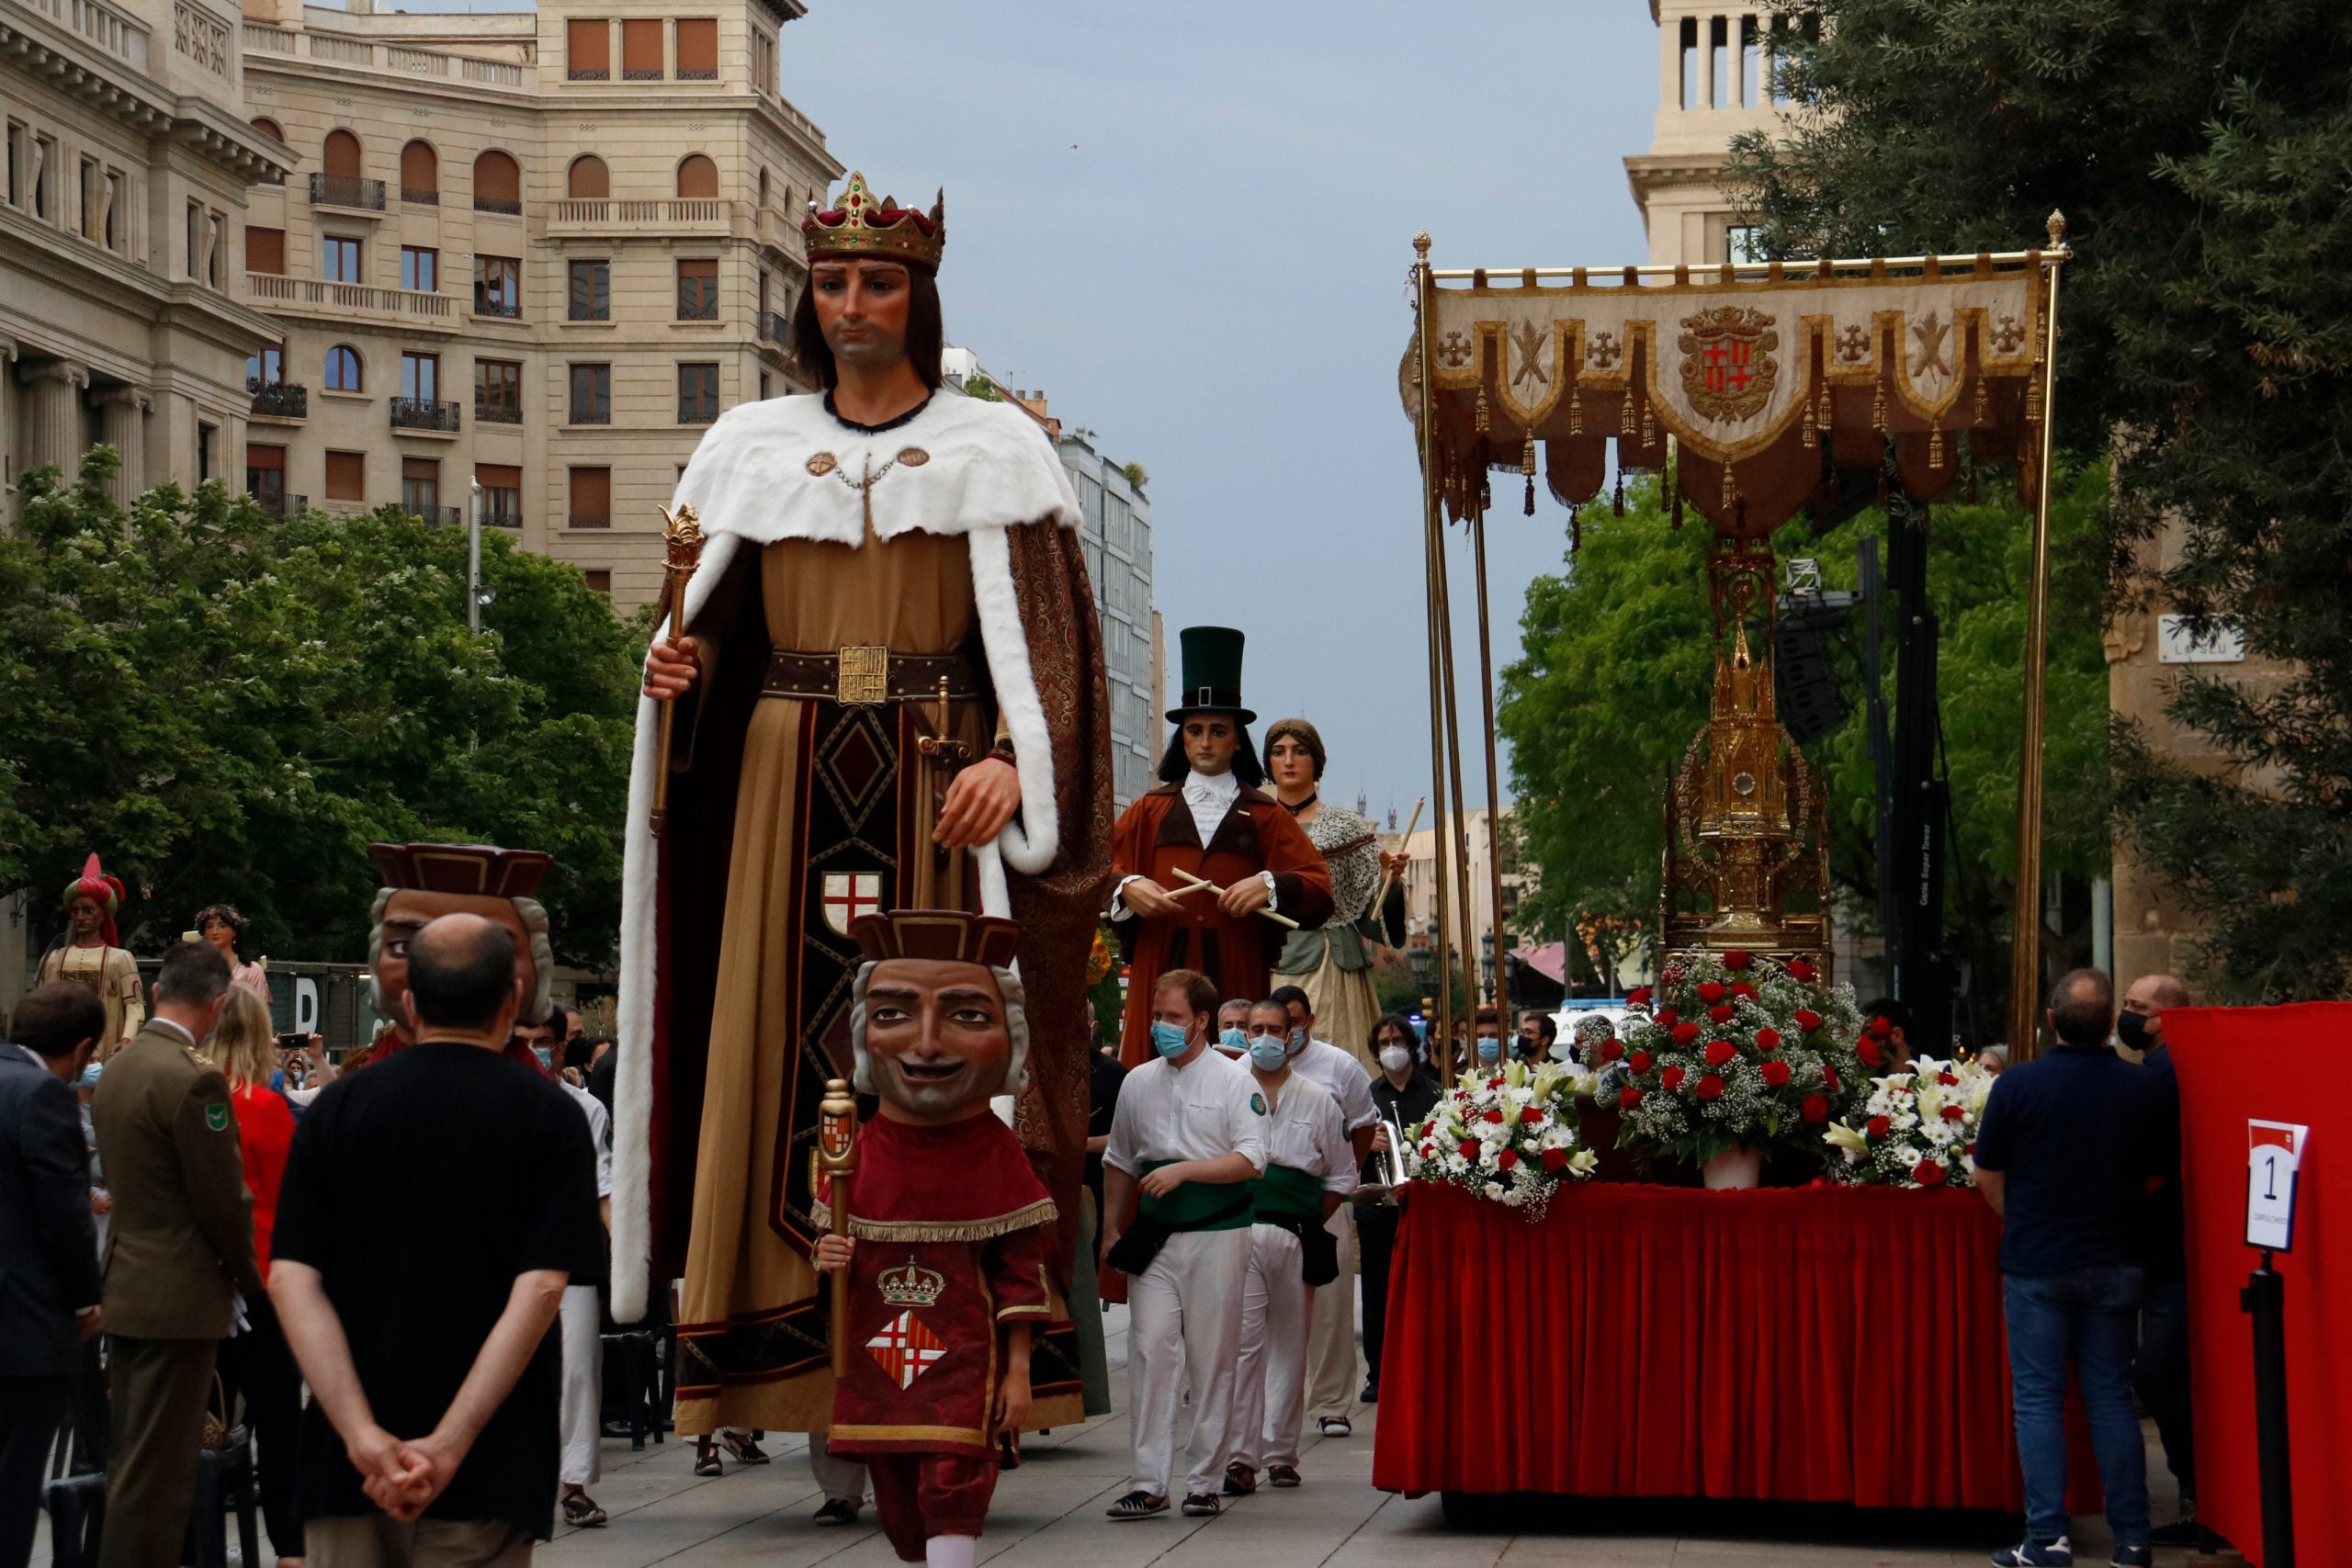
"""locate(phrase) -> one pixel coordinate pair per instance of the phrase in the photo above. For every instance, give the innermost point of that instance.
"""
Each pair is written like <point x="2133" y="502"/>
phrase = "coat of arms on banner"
<point x="848" y="894"/>
<point x="1728" y="364"/>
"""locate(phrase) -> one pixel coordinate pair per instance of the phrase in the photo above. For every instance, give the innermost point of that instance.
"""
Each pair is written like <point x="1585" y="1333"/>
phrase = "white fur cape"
<point x="758" y="477"/>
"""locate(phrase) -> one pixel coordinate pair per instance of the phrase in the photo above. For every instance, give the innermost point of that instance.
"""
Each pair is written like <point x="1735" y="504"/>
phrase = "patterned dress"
<point x="1334" y="963"/>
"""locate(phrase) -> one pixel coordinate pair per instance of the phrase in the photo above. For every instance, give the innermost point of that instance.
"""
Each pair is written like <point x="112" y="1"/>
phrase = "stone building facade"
<point x="1714" y="82"/>
<point x="538" y="252"/>
<point x="128" y="158"/>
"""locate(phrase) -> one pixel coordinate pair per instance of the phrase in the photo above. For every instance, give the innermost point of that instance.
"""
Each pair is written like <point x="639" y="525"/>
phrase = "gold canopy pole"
<point x="1460" y="796"/>
<point x="1433" y="563"/>
<point x="1494" y="788"/>
<point x="2025" y="934"/>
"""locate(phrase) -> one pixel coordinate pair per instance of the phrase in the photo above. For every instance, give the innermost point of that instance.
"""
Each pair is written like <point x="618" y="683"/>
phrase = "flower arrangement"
<point x="1915" y="1128"/>
<point x="1507" y="1135"/>
<point x="1099" y="958"/>
<point x="1737" y="1051"/>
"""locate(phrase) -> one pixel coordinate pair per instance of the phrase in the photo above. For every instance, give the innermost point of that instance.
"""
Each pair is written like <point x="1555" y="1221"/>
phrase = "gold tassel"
<point x="1576" y="411"/>
<point x="1482" y="410"/>
<point x="1983" y="400"/>
<point x="1730" y="489"/>
<point x="1527" y="466"/>
<point x="1878" y="408"/>
<point x="1625" y="416"/>
<point x="1485" y="493"/>
<point x="1936" y="445"/>
<point x="1806" y="437"/>
<point x="1649" y="426"/>
<point x="1618" y="501"/>
<point x="1828" y="410"/>
<point x="2033" y="401"/>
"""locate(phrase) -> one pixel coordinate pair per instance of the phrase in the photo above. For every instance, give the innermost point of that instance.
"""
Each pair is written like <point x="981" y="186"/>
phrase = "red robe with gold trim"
<point x="1155" y="838"/>
<point x="955" y="1233"/>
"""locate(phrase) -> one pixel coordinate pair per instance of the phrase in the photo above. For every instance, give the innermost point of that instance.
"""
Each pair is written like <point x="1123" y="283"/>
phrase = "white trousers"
<point x="1270" y="1379"/>
<point x="1332" y="1372"/>
<point x="1185" y="1331"/>
<point x="842" y="1479"/>
<point x="580" y="1410"/>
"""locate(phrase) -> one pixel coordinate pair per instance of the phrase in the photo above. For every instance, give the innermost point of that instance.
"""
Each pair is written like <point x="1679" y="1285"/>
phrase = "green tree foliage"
<point x="229" y="706"/>
<point x="1616" y="668"/>
<point x="2200" y="152"/>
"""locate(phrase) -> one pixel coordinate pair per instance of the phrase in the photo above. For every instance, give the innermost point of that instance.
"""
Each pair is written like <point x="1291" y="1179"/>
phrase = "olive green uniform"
<point x="180" y="1250"/>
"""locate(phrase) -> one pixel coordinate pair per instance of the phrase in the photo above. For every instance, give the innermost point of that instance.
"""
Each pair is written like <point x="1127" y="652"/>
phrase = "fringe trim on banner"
<point x="1649" y="426"/>
<point x="1878" y="408"/>
<point x="1984" y="399"/>
<point x="1936" y="445"/>
<point x="1829" y="415"/>
<point x="1041" y="1212"/>
<point x="1805" y="437"/>
<point x="1625" y="415"/>
<point x="1576" y="411"/>
<point x="1730" y="491"/>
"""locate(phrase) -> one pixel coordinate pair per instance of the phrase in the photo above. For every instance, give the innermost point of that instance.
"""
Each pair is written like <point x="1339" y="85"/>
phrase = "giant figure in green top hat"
<point x="1211" y="662"/>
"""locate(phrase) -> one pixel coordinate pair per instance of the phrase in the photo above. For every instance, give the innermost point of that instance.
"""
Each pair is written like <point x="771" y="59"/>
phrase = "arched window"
<point x="341" y="155"/>
<point x="697" y="178"/>
<point x="343" y="368"/>
<point x="497" y="183"/>
<point x="269" y="126"/>
<point x="587" y="180"/>
<point x="420" y="174"/>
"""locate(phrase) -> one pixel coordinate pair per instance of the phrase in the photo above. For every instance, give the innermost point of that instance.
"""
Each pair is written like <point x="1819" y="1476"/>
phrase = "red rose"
<point x="1711" y="990"/>
<point x="1495" y="1082"/>
<point x="1638" y="996"/>
<point x="1469" y="1148"/>
<point x="1671" y="1079"/>
<point x="1429" y="1151"/>
<point x="1878" y="1127"/>
<point x="1495" y="1116"/>
<point x="1882" y="1026"/>
<point x="1817" y="1108"/>
<point x="1743" y="990"/>
<point x="1555" y="1159"/>
<point x="1808" y="1019"/>
<point x="1628" y="1097"/>
<point x="1799" y="970"/>
<point x="1719" y="1052"/>
<point x="1667" y="1018"/>
<point x="1720" y="1012"/>
<point x="1768" y="1039"/>
<point x="1639" y="1061"/>
<point x="1685" y="1032"/>
<point x="1953" y="1113"/>
<point x="1738" y="960"/>
<point x="1710" y="1087"/>
<point x="1929" y="1173"/>
<point x="1866" y="1048"/>
<point x="1776" y="1073"/>
<point x="1828" y="1075"/>
<point x="1945" y="1078"/>
<point x="1532" y="1115"/>
<point x="1507" y="1159"/>
<point x="1611" y="1049"/>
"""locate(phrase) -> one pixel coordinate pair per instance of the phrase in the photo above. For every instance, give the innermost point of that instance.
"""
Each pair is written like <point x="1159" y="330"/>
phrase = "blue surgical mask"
<point x="1234" y="1040"/>
<point x="546" y="1056"/>
<point x="1298" y="1038"/>
<point x="1267" y="1053"/>
<point x="1169" y="1039"/>
<point x="1491" y="1048"/>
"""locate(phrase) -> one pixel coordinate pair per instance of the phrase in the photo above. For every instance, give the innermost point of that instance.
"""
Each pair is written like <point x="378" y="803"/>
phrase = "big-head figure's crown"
<point x="462" y="868"/>
<point x="947" y="934"/>
<point x="859" y="225"/>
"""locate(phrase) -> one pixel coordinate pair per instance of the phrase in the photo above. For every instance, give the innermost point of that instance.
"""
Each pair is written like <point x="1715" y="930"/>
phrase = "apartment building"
<point x="535" y="252"/>
<point x="128" y="157"/>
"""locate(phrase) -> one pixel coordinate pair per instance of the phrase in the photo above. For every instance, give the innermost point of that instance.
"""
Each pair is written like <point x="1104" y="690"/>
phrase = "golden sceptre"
<point x="682" y="541"/>
<point x="837" y="1157"/>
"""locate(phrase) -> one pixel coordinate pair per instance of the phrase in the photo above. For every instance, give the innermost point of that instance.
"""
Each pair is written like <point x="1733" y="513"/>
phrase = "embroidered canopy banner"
<point x="1769" y="375"/>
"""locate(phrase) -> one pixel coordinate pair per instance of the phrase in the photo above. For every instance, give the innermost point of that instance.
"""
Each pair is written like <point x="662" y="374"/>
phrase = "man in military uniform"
<point x="179" y="1256"/>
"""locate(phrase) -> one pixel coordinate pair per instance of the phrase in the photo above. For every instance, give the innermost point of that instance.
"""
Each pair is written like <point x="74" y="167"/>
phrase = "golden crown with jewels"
<point x="859" y="225"/>
<point x="912" y="1286"/>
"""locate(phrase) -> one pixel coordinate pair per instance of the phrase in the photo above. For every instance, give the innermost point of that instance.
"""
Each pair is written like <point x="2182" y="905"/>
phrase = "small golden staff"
<point x="681" y="542"/>
<point x="837" y="1157"/>
<point x="1388" y="877"/>
<point x="1197" y="884"/>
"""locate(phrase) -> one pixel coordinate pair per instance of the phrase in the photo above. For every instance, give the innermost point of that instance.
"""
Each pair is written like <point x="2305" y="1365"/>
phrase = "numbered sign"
<point x="2274" y="1150"/>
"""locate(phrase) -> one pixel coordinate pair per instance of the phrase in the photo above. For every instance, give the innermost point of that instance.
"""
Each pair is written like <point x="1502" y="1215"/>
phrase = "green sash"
<point x="1196" y="1205"/>
<point x="1287" y="1193"/>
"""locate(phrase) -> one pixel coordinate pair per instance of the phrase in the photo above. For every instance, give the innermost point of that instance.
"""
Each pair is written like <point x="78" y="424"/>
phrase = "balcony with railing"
<point x="282" y="295"/>
<point x="424" y="415"/>
<point x="780" y="231"/>
<point x="497" y="411"/>
<point x="775" y="329"/>
<point x="283" y="400"/>
<point x="411" y="196"/>
<point x="601" y="215"/>
<point x="439" y="516"/>
<point x="366" y="54"/>
<point x="277" y="503"/>
<point x="348" y="191"/>
<point x="113" y="30"/>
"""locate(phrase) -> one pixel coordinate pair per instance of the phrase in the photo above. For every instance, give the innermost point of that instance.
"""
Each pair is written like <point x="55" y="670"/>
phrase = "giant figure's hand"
<point x="1149" y="900"/>
<point x="1246" y="897"/>
<point x="979" y="803"/>
<point x="671" y="669"/>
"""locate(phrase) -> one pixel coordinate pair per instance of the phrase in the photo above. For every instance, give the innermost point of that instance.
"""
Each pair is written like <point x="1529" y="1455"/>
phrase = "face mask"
<point x="2131" y="1028"/>
<point x="1491" y="1048"/>
<point x="1234" y="1040"/>
<point x="1298" y="1038"/>
<point x="1169" y="1039"/>
<point x="547" y="1058"/>
<point x="1395" y="1058"/>
<point x="1266" y="1052"/>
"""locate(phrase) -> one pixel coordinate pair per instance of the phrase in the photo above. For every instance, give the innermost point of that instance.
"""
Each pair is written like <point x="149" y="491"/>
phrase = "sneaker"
<point x="1202" y="1505"/>
<point x="1371" y="1395"/>
<point x="2133" y="1557"/>
<point x="1239" y="1479"/>
<point x="837" y="1511"/>
<point x="741" y="1447"/>
<point x="2059" y="1553"/>
<point x="1282" y="1475"/>
<point x="1139" y="1505"/>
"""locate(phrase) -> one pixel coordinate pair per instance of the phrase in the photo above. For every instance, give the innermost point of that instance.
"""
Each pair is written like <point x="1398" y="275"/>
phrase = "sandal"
<point x="707" y="1459"/>
<point x="1239" y="1479"/>
<point x="837" y="1511"/>
<point x="1333" y="1426"/>
<point x="1282" y="1475"/>
<point x="1137" y="1506"/>
<point x="1202" y="1505"/>
<point x="741" y="1446"/>
<point x="581" y="1512"/>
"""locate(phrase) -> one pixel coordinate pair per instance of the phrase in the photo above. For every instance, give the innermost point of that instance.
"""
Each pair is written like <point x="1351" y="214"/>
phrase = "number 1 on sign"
<point x="2274" y="1152"/>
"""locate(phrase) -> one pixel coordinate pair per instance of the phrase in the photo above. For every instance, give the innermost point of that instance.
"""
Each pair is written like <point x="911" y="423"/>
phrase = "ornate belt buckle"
<point x="863" y="678"/>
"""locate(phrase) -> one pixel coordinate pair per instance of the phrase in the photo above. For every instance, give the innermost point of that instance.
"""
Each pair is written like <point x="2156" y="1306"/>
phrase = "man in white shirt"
<point x="581" y="1319"/>
<point x="1331" y="1345"/>
<point x="1189" y="1133"/>
<point x="1310" y="1169"/>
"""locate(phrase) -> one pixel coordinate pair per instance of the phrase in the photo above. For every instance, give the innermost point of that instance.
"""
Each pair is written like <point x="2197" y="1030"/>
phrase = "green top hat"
<point x="1212" y="662"/>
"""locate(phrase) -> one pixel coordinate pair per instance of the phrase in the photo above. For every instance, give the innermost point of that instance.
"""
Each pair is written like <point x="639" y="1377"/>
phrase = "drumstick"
<point x="1387" y="877"/>
<point x="1200" y="885"/>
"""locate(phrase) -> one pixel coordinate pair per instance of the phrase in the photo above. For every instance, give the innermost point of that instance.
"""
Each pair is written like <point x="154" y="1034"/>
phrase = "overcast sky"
<point x="1190" y="225"/>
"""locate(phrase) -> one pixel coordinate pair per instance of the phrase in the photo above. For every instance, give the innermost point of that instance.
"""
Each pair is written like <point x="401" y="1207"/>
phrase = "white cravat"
<point x="1209" y="797"/>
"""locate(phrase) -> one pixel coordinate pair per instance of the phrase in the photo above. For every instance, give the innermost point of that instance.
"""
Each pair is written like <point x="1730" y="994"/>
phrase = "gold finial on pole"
<point x="681" y="542"/>
<point x="2056" y="225"/>
<point x="1422" y="244"/>
<point x="837" y="1157"/>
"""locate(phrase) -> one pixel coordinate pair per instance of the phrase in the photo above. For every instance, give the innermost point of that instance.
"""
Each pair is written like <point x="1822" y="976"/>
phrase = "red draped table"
<point x="1824" y="1344"/>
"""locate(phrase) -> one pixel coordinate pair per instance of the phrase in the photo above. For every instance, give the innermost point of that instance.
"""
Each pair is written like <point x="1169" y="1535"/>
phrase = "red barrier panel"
<point x="2271" y="1064"/>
